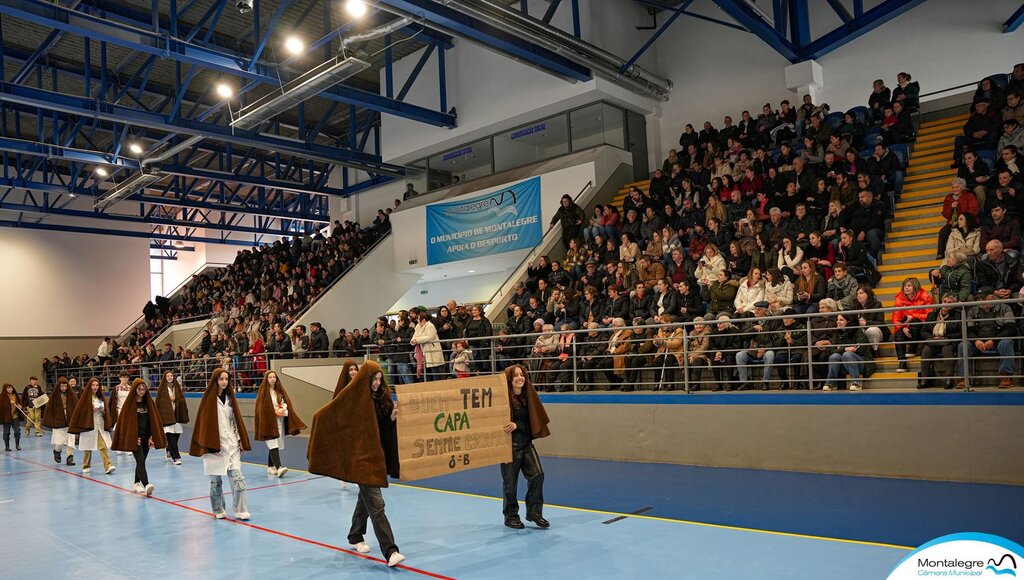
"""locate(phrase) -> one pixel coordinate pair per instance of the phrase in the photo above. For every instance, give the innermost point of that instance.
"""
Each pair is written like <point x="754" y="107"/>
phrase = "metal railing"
<point x="743" y="353"/>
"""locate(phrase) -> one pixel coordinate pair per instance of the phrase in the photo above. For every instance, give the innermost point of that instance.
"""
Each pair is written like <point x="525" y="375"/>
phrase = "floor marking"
<point x="246" y="524"/>
<point x="88" y="553"/>
<point x="652" y="518"/>
<point x="636" y="513"/>
<point x="21" y="472"/>
<point x="7" y="501"/>
<point x="256" y="488"/>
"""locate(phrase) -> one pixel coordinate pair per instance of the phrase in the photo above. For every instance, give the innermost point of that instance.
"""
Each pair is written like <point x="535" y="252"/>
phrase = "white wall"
<point x="63" y="284"/>
<point x="466" y="290"/>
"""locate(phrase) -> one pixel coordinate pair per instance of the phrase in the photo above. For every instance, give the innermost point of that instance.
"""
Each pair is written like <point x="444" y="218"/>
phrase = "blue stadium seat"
<point x="871" y="135"/>
<point x="989" y="155"/>
<point x="1000" y="80"/>
<point x="901" y="151"/>
<point x="860" y="113"/>
<point x="834" y="119"/>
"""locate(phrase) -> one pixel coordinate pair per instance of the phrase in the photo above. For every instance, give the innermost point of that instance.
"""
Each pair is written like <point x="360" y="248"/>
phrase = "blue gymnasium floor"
<point x="61" y="524"/>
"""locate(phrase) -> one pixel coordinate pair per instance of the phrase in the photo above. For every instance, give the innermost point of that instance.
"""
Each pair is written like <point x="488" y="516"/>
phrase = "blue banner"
<point x="502" y="221"/>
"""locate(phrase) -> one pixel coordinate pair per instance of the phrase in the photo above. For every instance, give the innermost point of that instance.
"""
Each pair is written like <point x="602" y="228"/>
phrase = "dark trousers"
<point x="588" y="374"/>
<point x="901" y="339"/>
<point x="274" y="458"/>
<point x="172" y="445"/>
<point x="787" y="361"/>
<point x="370" y="505"/>
<point x="563" y="380"/>
<point x="930" y="353"/>
<point x="526" y="460"/>
<point x="944" y="234"/>
<point x="634" y="366"/>
<point x="723" y="369"/>
<point x="16" y="425"/>
<point x="668" y="367"/>
<point x="140" y="453"/>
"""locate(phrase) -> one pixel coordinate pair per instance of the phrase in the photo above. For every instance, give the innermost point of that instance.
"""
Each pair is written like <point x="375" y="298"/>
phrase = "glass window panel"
<point x="614" y="126"/>
<point x="530" y="143"/>
<point x="460" y="164"/>
<point x="587" y="127"/>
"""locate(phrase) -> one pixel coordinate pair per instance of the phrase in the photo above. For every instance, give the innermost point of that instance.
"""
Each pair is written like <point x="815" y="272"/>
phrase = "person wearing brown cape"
<point x="170" y="401"/>
<point x="57" y="416"/>
<point x="275" y="418"/>
<point x="219" y="437"/>
<point x="119" y="395"/>
<point x="92" y="422"/>
<point x="528" y="422"/>
<point x="349" y="368"/>
<point x="354" y="439"/>
<point x="10" y="416"/>
<point x="138" y="422"/>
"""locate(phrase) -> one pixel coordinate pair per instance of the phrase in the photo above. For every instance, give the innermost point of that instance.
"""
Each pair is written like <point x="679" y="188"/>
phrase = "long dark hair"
<point x="517" y="401"/>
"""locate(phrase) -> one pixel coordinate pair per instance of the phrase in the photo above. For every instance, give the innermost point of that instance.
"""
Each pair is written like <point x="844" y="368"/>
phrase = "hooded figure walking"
<point x="219" y="438"/>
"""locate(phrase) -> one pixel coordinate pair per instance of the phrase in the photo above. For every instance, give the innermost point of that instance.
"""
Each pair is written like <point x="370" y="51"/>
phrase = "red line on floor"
<point x="246" y="524"/>
<point x="256" y="488"/>
<point x="21" y="472"/>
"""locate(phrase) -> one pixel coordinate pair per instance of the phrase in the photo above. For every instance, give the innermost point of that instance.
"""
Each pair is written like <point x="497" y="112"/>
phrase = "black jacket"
<point x="319" y="344"/>
<point x="954" y="329"/>
<point x="1009" y="277"/>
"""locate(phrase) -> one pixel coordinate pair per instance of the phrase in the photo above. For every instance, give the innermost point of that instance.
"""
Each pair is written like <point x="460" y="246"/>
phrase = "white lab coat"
<point x="230" y="455"/>
<point x="279" y="442"/>
<point x="174" y="427"/>
<point x="89" y="440"/>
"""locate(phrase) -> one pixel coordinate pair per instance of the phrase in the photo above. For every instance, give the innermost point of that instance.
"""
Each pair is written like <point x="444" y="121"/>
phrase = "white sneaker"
<point x="282" y="471"/>
<point x="220" y="515"/>
<point x="911" y="355"/>
<point x="167" y="455"/>
<point x="177" y="462"/>
<point x="86" y="470"/>
<point x="149" y="489"/>
<point x="901" y="370"/>
<point x="395" y="560"/>
<point x="243" y="515"/>
<point x="139" y="488"/>
<point x="111" y="469"/>
<point x="361" y="547"/>
<point x="827" y="388"/>
<point x="854" y="387"/>
<point x="271" y="471"/>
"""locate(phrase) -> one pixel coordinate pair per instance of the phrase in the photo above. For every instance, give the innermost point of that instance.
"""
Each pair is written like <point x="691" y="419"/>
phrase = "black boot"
<point x="514" y="522"/>
<point x="541" y="522"/>
<point x="56" y="456"/>
<point x="70" y="460"/>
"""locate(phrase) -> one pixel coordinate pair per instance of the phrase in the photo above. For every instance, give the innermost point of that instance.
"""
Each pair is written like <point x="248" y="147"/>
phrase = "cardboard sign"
<point x="452" y="425"/>
<point x="40" y="402"/>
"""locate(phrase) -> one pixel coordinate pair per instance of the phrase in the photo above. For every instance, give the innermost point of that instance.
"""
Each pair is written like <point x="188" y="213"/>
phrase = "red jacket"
<point x="922" y="298"/>
<point x="966" y="204"/>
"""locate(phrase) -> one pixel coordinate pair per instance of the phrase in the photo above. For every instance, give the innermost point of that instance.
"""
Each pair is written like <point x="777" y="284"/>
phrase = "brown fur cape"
<point x="538" y="416"/>
<point x="343" y="377"/>
<point x="206" y="432"/>
<point x="54" y="415"/>
<point x="81" y="418"/>
<point x="171" y="414"/>
<point x="266" y="418"/>
<point x="345" y="441"/>
<point x="126" y="435"/>
<point x="7" y="411"/>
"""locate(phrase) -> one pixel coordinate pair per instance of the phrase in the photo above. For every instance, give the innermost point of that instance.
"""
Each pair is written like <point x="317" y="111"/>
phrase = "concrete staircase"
<point x="910" y="245"/>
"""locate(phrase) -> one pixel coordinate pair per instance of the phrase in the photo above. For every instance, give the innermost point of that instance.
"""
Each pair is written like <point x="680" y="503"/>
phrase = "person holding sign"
<point x="275" y="418"/>
<point x="33" y="414"/>
<point x="137" y="424"/>
<point x="528" y="422"/>
<point x="354" y="438"/>
<point x="57" y="416"/>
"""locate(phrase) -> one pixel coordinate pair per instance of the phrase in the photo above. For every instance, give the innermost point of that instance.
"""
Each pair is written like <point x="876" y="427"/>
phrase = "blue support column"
<point x="389" y="68"/>
<point x="860" y="26"/>
<point x="665" y="26"/>
<point x="415" y="73"/>
<point x="799" y="23"/>
<point x="1015" y="21"/>
<point x="442" y="83"/>
<point x="550" y="12"/>
<point x="576" y="18"/>
<point x="753" y="22"/>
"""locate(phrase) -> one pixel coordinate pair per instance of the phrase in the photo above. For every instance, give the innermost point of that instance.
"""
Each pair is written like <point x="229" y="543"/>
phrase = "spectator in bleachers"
<point x="999" y="269"/>
<point x="749" y="292"/>
<point x="810" y="289"/>
<point x="976" y="174"/>
<point x="872" y="323"/>
<point x="992" y="93"/>
<point x="953" y="277"/>
<point x="1013" y="134"/>
<point x="879" y="98"/>
<point x="852" y="355"/>
<point x="886" y="166"/>
<point x="842" y="287"/>
<point x="866" y="221"/>
<point x="907" y="92"/>
<point x="737" y="261"/>
<point x="1014" y="109"/>
<point x="942" y="332"/>
<point x="778" y="290"/>
<point x="789" y="257"/>
<point x="980" y="132"/>
<point x="959" y="201"/>
<point x="629" y="251"/>
<point x="897" y="125"/>
<point x="1003" y="226"/>
<point x="990" y="330"/>
<point x="723" y="345"/>
<point x="965" y="236"/>
<point x="1016" y="82"/>
<point x="767" y="336"/>
<point x="907" y="322"/>
<point x="572" y="218"/>
<point x="1010" y="160"/>
<point x="688" y="137"/>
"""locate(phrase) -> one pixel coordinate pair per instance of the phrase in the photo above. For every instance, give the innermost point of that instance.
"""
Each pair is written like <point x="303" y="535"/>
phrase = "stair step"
<point x="932" y="172"/>
<point x="892" y="280"/>
<point x="922" y="265"/>
<point x="929" y="166"/>
<point x="945" y="121"/>
<point x="904" y="257"/>
<point x="916" y="212"/>
<point x="934" y="201"/>
<point x="909" y="244"/>
<point x="943" y="134"/>
<point x="913" y="233"/>
<point x="930" y="156"/>
<point x="927" y="181"/>
<point x="925" y="193"/>
<point x="901" y="224"/>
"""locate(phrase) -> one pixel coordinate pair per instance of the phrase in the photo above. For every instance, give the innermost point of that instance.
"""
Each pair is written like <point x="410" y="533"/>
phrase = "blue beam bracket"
<point x="1014" y="21"/>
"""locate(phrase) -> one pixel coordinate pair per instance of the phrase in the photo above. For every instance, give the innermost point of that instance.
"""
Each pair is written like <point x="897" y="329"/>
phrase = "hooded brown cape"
<point x="81" y="418"/>
<point x="7" y="411"/>
<point x="343" y="377"/>
<point x="206" y="432"/>
<point x="126" y="435"/>
<point x="54" y="415"/>
<point x="538" y="416"/>
<point x="170" y="414"/>
<point x="345" y="441"/>
<point x="266" y="418"/>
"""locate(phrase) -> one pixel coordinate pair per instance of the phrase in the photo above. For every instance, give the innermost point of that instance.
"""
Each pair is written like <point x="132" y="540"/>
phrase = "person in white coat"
<point x="275" y="418"/>
<point x="430" y="355"/>
<point x="750" y="291"/>
<point x="219" y="438"/>
<point x="92" y="421"/>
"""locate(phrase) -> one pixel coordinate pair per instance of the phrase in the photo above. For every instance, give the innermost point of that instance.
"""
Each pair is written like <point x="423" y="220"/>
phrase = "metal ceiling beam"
<point x="94" y="108"/>
<point x="125" y="233"/>
<point x="741" y="12"/>
<point x="454" y="21"/>
<point x="1015" y="21"/>
<point x="859" y="26"/>
<point x="140" y="39"/>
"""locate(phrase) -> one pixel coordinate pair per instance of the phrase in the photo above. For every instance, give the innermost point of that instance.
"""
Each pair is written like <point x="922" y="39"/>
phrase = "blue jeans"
<point x="874" y="241"/>
<point x="401" y="373"/>
<point x="241" y="503"/>
<point x="850" y="361"/>
<point x="745" y="360"/>
<point x="1004" y="349"/>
